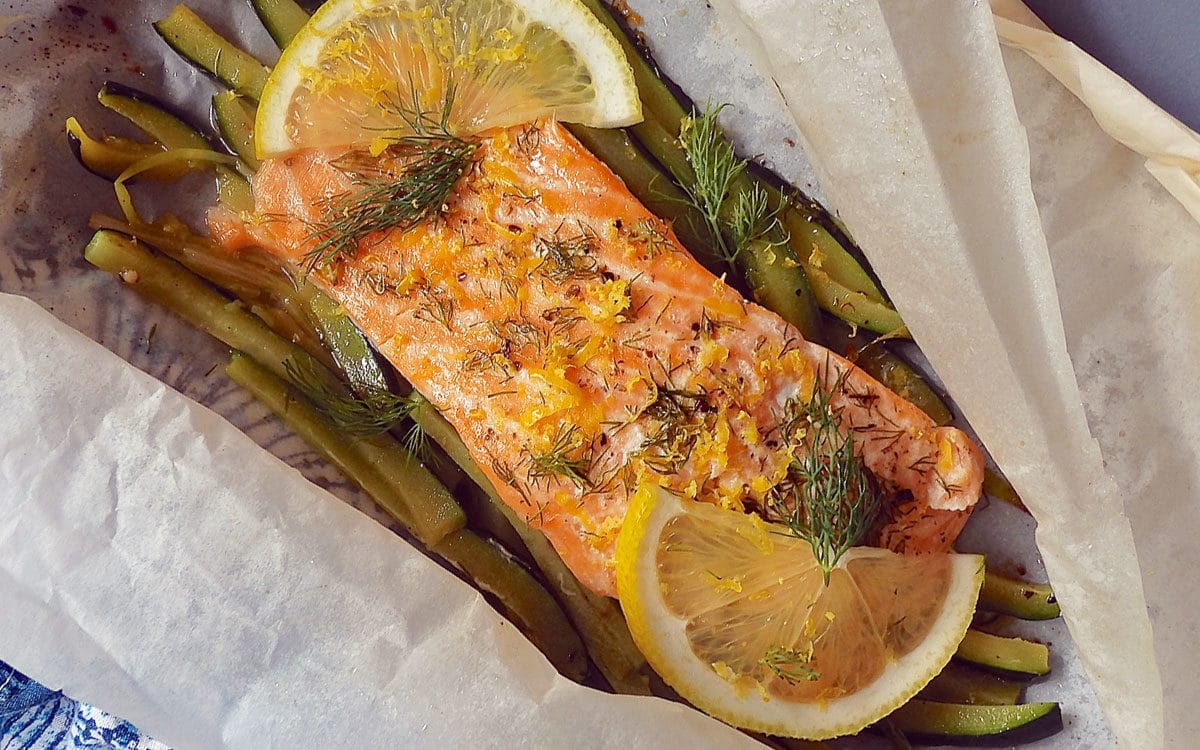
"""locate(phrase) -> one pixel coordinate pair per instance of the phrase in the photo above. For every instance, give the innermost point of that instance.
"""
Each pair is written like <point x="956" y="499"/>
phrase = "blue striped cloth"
<point x="33" y="717"/>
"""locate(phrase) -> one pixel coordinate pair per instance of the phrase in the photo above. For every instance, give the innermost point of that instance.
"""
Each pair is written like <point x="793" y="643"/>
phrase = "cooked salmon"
<point x="579" y="350"/>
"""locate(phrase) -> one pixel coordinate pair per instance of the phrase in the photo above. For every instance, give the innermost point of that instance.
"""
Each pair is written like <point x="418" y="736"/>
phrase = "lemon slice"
<point x="734" y="613"/>
<point x="354" y="69"/>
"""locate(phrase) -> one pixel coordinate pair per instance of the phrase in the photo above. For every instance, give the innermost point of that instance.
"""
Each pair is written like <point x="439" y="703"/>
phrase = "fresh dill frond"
<point x="564" y="459"/>
<point x="717" y="169"/>
<point x="790" y="666"/>
<point x="432" y="160"/>
<point x="366" y="411"/>
<point x="675" y="433"/>
<point x="753" y="220"/>
<point x="833" y="497"/>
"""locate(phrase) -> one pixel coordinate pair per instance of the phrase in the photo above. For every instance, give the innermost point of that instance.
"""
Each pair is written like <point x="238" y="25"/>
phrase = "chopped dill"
<point x="433" y="159"/>
<point x="830" y="498"/>
<point x="792" y="667"/>
<point x="564" y="459"/>
<point x="651" y="236"/>
<point x="370" y="410"/>
<point x="567" y="258"/>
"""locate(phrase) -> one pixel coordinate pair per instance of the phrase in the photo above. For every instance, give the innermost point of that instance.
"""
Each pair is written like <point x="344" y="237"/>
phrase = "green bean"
<point x="524" y="600"/>
<point x="1008" y="654"/>
<point x="995" y="485"/>
<point x="947" y="720"/>
<point x="167" y="283"/>
<point x="282" y="18"/>
<point x="598" y="619"/>
<point x="198" y="43"/>
<point x="903" y="380"/>
<point x="235" y="120"/>
<point x="817" y="248"/>
<point x="1012" y="596"/>
<point x="173" y="133"/>
<point x="959" y="684"/>
<point x="150" y="118"/>
<point x="111" y="155"/>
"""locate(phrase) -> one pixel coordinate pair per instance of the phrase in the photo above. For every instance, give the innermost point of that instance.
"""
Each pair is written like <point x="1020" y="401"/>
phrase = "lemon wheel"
<point x="735" y="614"/>
<point x="358" y="68"/>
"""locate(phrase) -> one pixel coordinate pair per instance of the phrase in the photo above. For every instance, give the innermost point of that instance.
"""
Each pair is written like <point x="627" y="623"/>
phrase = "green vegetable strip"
<point x="235" y="120"/>
<point x="948" y="720"/>
<point x="1009" y="654"/>
<point x="824" y="251"/>
<point x="283" y="19"/>
<point x="432" y="514"/>
<point x="261" y="285"/>
<point x="598" y="619"/>
<point x="232" y="189"/>
<point x="363" y="464"/>
<point x="958" y="684"/>
<point x="529" y="605"/>
<point x="196" y="41"/>
<point x="112" y="155"/>
<point x="524" y="600"/>
<point x="1011" y="596"/>
<point x="167" y="283"/>
<point x="903" y="380"/>
<point x="851" y="306"/>
<point x="998" y="487"/>
<point x="155" y="122"/>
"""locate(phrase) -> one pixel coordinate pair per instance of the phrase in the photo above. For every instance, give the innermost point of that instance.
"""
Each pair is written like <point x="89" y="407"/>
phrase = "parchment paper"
<point x="218" y="598"/>
<point x="925" y="154"/>
<point x="50" y="55"/>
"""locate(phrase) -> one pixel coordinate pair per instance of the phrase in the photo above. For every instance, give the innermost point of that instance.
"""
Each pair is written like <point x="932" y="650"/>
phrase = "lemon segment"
<point x="734" y="613"/>
<point x="358" y="65"/>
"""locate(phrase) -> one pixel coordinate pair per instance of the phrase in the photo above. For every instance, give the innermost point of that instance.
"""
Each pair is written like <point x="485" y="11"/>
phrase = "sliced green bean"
<point x="198" y="43"/>
<point x="959" y="684"/>
<point x="950" y="721"/>
<point x="167" y="283"/>
<point x="235" y="121"/>
<point x="825" y="252"/>
<point x="531" y="608"/>
<point x="904" y="381"/>
<point x="111" y="155"/>
<point x="524" y="600"/>
<point x="995" y="485"/>
<point x="598" y="619"/>
<point x="282" y="18"/>
<point x="1008" y="654"/>
<point x="1012" y="596"/>
<point x="851" y="306"/>
<point x="151" y="118"/>
<point x="254" y="278"/>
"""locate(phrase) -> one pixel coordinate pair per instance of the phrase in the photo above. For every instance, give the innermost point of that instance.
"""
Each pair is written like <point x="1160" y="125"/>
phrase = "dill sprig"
<point x="434" y="160"/>
<point x="564" y="459"/>
<point x="790" y="666"/>
<point x="366" y="411"/>
<point x="736" y="218"/>
<point x="670" y="443"/>
<point x="567" y="258"/>
<point x="651" y="236"/>
<point x="834" y="498"/>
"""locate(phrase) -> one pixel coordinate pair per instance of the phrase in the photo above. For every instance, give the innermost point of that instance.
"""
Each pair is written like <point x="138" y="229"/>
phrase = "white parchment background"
<point x="1122" y="251"/>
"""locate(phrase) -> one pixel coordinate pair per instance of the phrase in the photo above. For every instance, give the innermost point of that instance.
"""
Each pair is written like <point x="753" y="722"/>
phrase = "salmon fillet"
<point x="578" y="350"/>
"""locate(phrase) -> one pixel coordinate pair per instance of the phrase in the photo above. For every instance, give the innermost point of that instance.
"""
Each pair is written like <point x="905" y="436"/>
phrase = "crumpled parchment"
<point x="1123" y="259"/>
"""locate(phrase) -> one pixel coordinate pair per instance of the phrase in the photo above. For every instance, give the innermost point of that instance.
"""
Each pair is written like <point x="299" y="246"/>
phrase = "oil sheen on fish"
<point x="579" y="350"/>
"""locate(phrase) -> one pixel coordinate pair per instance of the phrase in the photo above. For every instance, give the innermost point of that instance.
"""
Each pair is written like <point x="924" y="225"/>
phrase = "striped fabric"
<point x="33" y="717"/>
